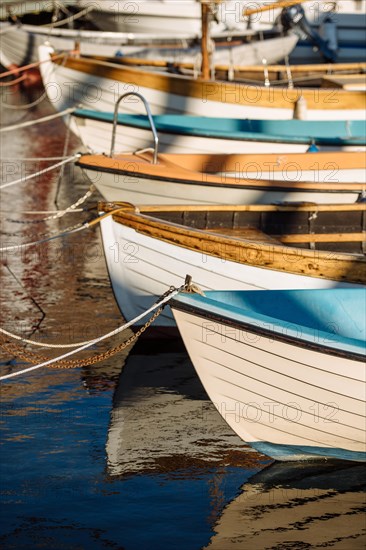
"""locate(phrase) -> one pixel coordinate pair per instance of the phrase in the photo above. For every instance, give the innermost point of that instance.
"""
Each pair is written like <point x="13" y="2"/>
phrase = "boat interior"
<point x="338" y="228"/>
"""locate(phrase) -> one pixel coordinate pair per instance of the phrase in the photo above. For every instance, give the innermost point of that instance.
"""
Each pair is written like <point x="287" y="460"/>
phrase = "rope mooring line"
<point x="59" y="213"/>
<point x="70" y="19"/>
<point x="41" y="172"/>
<point x="69" y="230"/>
<point x="39" y="212"/>
<point x="32" y="159"/>
<point x="42" y="344"/>
<point x="13" y="82"/>
<point x="37" y="101"/>
<point x="64" y="233"/>
<point x="44" y="95"/>
<point x="34" y="65"/>
<point x="38" y="120"/>
<point x="167" y="296"/>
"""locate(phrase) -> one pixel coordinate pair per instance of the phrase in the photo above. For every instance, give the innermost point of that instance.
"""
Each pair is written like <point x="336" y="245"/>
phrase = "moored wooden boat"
<point x="286" y="369"/>
<point x="251" y="52"/>
<point x="99" y="83"/>
<point x="227" y="179"/>
<point x="20" y="43"/>
<point x="196" y="134"/>
<point x="150" y="248"/>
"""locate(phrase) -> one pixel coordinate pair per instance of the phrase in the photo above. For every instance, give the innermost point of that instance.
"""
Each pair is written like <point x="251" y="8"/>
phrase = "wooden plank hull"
<point x="225" y="179"/>
<point x="98" y="84"/>
<point x="175" y="135"/>
<point x="283" y="389"/>
<point x="19" y="44"/>
<point x="274" y="50"/>
<point x="146" y="256"/>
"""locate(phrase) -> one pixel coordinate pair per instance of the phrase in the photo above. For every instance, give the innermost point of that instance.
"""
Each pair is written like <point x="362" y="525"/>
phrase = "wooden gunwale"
<point x="231" y="161"/>
<point x="167" y="169"/>
<point x="315" y="263"/>
<point x="220" y="91"/>
<point x="284" y="207"/>
<point x="303" y="69"/>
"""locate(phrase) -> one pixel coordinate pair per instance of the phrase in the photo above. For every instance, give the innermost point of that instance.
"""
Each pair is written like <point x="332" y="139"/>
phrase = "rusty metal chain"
<point x="34" y="358"/>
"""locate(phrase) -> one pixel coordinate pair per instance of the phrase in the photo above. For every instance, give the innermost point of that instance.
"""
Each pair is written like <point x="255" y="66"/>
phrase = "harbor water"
<point x="128" y="453"/>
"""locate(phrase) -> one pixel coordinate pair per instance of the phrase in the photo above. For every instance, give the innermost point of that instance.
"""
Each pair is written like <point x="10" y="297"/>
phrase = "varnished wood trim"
<point x="284" y="207"/>
<point x="313" y="263"/>
<point x="220" y="91"/>
<point x="323" y="238"/>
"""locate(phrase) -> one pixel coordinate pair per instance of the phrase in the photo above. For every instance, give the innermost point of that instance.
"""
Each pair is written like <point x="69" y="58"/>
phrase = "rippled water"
<point x="128" y="453"/>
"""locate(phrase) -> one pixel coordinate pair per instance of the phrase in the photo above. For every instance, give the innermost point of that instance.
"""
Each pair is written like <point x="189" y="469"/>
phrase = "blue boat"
<point x="285" y="368"/>
<point x="195" y="134"/>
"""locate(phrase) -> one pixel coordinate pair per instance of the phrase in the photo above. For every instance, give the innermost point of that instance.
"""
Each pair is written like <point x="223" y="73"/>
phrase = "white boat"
<point x="273" y="49"/>
<point x="98" y="84"/>
<point x="286" y="369"/>
<point x="215" y="178"/>
<point x="151" y="248"/>
<point x="19" y="45"/>
<point x="192" y="134"/>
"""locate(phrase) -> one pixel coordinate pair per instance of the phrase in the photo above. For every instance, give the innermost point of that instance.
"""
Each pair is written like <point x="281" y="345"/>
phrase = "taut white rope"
<point x="97" y="340"/>
<point x="37" y="121"/>
<point x="46" y="239"/>
<point x="42" y="344"/>
<point x="48" y="169"/>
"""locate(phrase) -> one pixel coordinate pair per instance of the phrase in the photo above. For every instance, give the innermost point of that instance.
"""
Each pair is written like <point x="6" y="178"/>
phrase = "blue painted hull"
<point x="333" y="133"/>
<point x="285" y="369"/>
<point x="287" y="453"/>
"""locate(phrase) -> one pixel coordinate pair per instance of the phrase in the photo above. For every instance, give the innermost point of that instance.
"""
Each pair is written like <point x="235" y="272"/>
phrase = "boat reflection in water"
<point x="163" y="424"/>
<point x="162" y="420"/>
<point x="297" y="505"/>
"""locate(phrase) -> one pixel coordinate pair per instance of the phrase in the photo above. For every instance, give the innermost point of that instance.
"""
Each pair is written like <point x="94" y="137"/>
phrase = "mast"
<point x="205" y="37"/>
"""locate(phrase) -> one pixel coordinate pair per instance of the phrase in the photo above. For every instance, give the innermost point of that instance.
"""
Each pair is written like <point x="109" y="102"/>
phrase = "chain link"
<point x="35" y="358"/>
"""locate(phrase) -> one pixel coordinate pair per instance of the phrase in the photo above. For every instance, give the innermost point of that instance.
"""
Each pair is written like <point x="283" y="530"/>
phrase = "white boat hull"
<point x="142" y="268"/>
<point x="287" y="403"/>
<point x="96" y="136"/>
<point x="273" y="50"/>
<point x="139" y="190"/>
<point x="67" y="87"/>
<point x="19" y="45"/>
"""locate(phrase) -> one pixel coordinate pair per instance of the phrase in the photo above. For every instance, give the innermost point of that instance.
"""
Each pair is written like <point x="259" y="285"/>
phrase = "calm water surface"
<point x="128" y="453"/>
